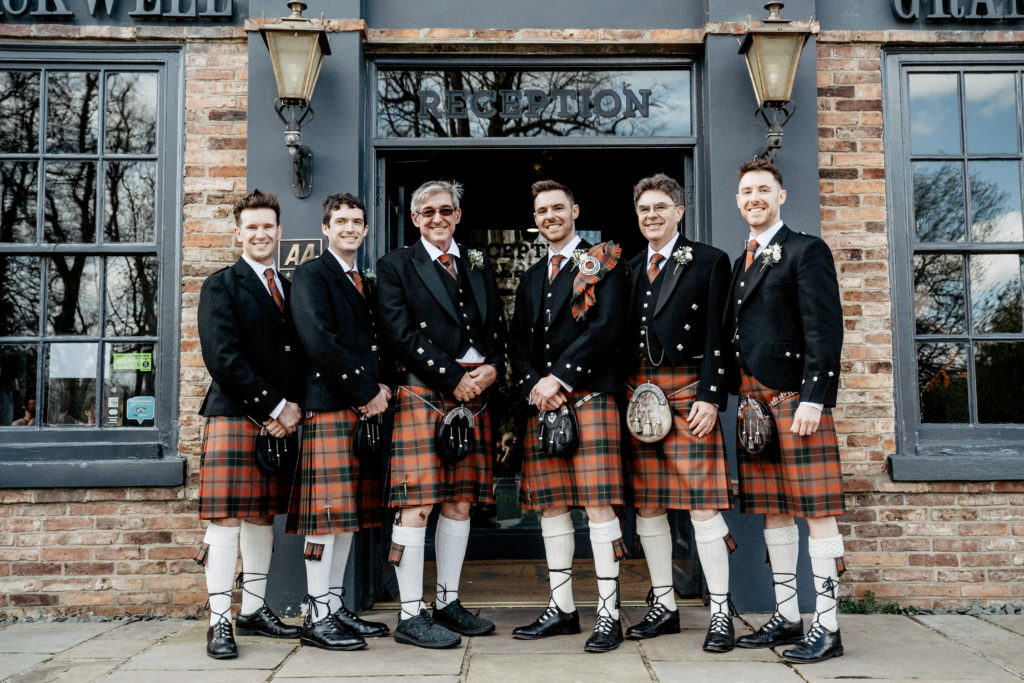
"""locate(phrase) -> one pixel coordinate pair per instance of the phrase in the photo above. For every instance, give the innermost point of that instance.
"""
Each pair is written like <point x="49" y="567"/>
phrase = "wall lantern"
<point x="772" y="50"/>
<point x="297" y="50"/>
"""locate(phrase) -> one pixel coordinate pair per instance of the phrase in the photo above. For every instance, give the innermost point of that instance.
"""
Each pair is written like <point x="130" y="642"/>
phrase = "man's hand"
<point x="377" y="405"/>
<point x="547" y="394"/>
<point x="386" y="389"/>
<point x="467" y="389"/>
<point x="805" y="421"/>
<point x="290" y="416"/>
<point x="484" y="376"/>
<point x="275" y="428"/>
<point x="702" y="418"/>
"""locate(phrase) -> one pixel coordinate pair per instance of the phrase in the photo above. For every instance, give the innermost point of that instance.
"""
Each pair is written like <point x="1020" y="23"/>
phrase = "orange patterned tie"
<point x="556" y="265"/>
<point x="752" y="246"/>
<point x="357" y="280"/>
<point x="274" y="291"/>
<point x="448" y="261"/>
<point x="655" y="267"/>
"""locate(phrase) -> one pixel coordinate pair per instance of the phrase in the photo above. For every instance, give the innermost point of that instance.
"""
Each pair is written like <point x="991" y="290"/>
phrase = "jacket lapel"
<point x="255" y="288"/>
<point x="476" y="284"/>
<point x="561" y="289"/>
<point x="672" y="272"/>
<point x="758" y="270"/>
<point x="348" y="288"/>
<point x="636" y="267"/>
<point x="431" y="278"/>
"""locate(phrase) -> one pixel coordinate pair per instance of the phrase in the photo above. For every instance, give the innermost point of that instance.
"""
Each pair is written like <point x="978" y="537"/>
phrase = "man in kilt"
<point x="786" y="324"/>
<point x="335" y="494"/>
<point x="677" y="296"/>
<point x="251" y="350"/>
<point x="564" y="339"/>
<point x="443" y="321"/>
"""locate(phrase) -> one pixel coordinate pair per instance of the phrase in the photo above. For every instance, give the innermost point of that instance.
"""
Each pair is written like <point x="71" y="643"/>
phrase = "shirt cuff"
<point x="819" y="406"/>
<point x="565" y="386"/>
<point x="278" y="408"/>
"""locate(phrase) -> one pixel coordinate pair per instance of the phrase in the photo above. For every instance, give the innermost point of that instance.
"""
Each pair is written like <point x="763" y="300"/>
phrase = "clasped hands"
<point x="475" y="382"/>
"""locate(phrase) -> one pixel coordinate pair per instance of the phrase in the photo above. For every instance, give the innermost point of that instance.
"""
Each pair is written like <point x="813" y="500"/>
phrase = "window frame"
<point x="934" y="452"/>
<point x="90" y="455"/>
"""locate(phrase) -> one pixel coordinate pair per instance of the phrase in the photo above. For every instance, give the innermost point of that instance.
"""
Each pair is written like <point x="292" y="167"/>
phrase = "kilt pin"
<point x="680" y="472"/>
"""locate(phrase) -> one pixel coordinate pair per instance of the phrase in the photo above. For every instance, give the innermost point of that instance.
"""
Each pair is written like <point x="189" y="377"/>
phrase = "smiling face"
<point x="346" y="231"/>
<point x="760" y="199"/>
<point x="258" y="232"/>
<point x="659" y="217"/>
<point x="434" y="225"/>
<point x="555" y="216"/>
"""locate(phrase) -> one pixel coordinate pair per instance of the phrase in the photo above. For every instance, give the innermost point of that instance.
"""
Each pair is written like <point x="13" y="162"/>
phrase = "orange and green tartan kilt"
<point x="807" y="480"/>
<point x="592" y="475"/>
<point x="229" y="483"/>
<point x="682" y="471"/>
<point x="333" y="492"/>
<point x="417" y="474"/>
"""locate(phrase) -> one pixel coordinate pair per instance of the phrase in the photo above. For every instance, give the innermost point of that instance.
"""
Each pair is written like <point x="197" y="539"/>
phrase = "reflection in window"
<point x="1000" y="369"/>
<point x="129" y="394"/>
<point x="939" y="201"/>
<point x="131" y="113"/>
<point x="942" y="382"/>
<point x="19" y="111"/>
<point x="131" y="295"/>
<point x="18" y="385"/>
<point x="939" y="293"/>
<point x="19" y="297"/>
<point x="72" y="115"/>
<point x="995" y="201"/>
<point x="70" y="211"/>
<point x="73" y="295"/>
<point x="130" y="201"/>
<point x="996" y="293"/>
<point x="934" y="113"/>
<point x="71" y="385"/>
<point x="19" y="187"/>
<point x="991" y="112"/>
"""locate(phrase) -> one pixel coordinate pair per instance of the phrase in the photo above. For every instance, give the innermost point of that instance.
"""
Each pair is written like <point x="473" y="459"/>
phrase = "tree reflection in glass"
<point x="18" y="192"/>
<point x="939" y="211"/>
<point x="70" y="213"/>
<point x="130" y="201"/>
<point x="19" y="299"/>
<point x="19" y="111"/>
<point x="131" y="113"/>
<point x="131" y="295"/>
<point x="73" y="295"/>
<point x="1000" y="369"/>
<point x="72" y="115"/>
<point x="942" y="382"/>
<point x="939" y="294"/>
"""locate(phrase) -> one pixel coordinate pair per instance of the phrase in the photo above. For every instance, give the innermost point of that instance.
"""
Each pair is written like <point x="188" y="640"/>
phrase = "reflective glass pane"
<point x="70" y="214"/>
<point x="129" y="393"/>
<point x="73" y="295"/>
<point x="131" y="113"/>
<point x="71" y="385"/>
<point x="939" y="201"/>
<point x="19" y="297"/>
<point x="132" y="295"/>
<point x="18" y="385"/>
<point x="942" y="382"/>
<point x="19" y="187"/>
<point x="939" y="294"/>
<point x="130" y="201"/>
<point x="995" y="201"/>
<point x="995" y="293"/>
<point x="1000" y="377"/>
<point x="509" y="103"/>
<point x="934" y="114"/>
<point x="72" y="115"/>
<point x="991" y="112"/>
<point x="19" y="111"/>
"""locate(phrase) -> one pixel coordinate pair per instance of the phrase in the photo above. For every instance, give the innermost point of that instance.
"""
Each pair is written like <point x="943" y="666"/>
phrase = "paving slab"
<point x="690" y="617"/>
<point x="812" y="679"/>
<point x="105" y="648"/>
<point x="382" y="657"/>
<point x="226" y="676"/>
<point x="178" y="657"/>
<point x="892" y="647"/>
<point x="1011" y="622"/>
<point x="66" y="671"/>
<point x="506" y="619"/>
<point x="558" y="668"/>
<point x="49" y="637"/>
<point x="688" y="647"/>
<point x="724" y="672"/>
<point x="11" y="664"/>
<point x="994" y="643"/>
<point x="150" y="630"/>
<point x="370" y="679"/>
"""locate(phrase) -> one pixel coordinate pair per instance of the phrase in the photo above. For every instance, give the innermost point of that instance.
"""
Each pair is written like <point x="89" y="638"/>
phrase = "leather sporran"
<point x="558" y="431"/>
<point x="756" y="433"/>
<point x="272" y="454"/>
<point x="368" y="438"/>
<point x="456" y="435"/>
<point x="649" y="415"/>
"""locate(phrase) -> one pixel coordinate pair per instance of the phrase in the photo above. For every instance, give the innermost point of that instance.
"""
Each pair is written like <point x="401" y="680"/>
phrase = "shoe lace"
<point x="776" y="620"/>
<point x="225" y="616"/>
<point x="602" y="606"/>
<point x="828" y="590"/>
<point x="789" y="581"/>
<point x="418" y="610"/>
<point x="604" y="624"/>
<point x="657" y="609"/>
<point x="222" y="628"/>
<point x="655" y="613"/>
<point x="813" y="633"/>
<point x="567" y="573"/>
<point x="313" y="602"/>
<point x="441" y="596"/>
<point x="339" y="592"/>
<point x="245" y="578"/>
<point x="724" y="611"/>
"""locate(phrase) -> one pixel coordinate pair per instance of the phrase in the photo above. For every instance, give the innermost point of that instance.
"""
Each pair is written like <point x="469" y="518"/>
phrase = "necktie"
<point x="655" y="267"/>
<point x="357" y="280"/>
<point x="448" y="261"/>
<point x="556" y="265"/>
<point x="274" y="291"/>
<point x="752" y="246"/>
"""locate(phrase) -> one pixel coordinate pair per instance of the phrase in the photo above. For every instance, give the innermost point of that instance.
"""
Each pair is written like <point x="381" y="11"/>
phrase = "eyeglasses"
<point x="660" y="209"/>
<point x="445" y="211"/>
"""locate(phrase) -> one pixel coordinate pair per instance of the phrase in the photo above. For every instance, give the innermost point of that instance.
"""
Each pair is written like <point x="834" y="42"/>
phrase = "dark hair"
<point x="661" y="183"/>
<point x="550" y="185"/>
<point x="336" y="201"/>
<point x="760" y="165"/>
<point x="256" y="200"/>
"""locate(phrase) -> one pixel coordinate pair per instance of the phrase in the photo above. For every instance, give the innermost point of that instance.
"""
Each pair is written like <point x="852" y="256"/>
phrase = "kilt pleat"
<point x="682" y="471"/>
<point x="417" y="475"/>
<point x="229" y="483"/>
<point x="333" y="492"/>
<point x="807" y="480"/>
<point x="592" y="475"/>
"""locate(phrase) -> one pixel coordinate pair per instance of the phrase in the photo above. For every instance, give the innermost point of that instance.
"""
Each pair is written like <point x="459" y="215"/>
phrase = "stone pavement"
<point x="878" y="647"/>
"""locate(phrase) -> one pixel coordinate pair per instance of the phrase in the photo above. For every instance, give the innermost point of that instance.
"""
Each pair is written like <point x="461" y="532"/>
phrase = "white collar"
<point x="567" y="250"/>
<point x="665" y="251"/>
<point x="260" y="269"/>
<point x="343" y="263"/>
<point x="765" y="238"/>
<point x="433" y="252"/>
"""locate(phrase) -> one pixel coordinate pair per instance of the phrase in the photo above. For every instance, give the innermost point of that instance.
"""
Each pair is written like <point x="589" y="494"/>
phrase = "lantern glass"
<point x="772" y="60"/>
<point x="297" y="57"/>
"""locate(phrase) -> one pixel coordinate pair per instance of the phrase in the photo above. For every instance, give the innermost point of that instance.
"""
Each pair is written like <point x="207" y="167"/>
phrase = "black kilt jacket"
<point x="250" y="348"/>
<point x="544" y="337"/>
<point x="419" y="321"/>
<point x="785" y="320"/>
<point x="338" y="331"/>
<point x="686" y="320"/>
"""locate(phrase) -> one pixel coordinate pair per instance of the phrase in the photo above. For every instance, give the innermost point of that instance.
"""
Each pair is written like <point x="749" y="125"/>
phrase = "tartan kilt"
<point x="229" y="483"/>
<point x="417" y="476"/>
<point x="807" y="480"/>
<point x="682" y="471"/>
<point x="328" y="473"/>
<point x="592" y="475"/>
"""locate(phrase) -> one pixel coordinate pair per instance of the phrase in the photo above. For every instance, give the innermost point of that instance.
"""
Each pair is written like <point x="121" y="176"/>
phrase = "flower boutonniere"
<point x="578" y="256"/>
<point x="369" y="277"/>
<point x="772" y="255"/>
<point x="682" y="256"/>
<point x="475" y="257"/>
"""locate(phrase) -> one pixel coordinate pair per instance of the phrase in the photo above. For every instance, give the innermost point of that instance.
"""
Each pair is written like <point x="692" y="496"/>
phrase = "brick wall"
<point x="922" y="544"/>
<point x="129" y="550"/>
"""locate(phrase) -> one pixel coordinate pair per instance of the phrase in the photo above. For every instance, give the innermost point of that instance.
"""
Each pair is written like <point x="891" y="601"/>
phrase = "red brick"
<point x="87" y="599"/>
<point x="934" y="560"/>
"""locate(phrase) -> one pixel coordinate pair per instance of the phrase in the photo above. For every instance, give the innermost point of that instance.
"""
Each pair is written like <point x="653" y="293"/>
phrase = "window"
<point x="955" y="169"/>
<point x="89" y="168"/>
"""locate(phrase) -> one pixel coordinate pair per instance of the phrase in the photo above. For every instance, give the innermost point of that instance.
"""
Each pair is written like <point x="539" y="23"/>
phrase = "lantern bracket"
<point x="302" y="156"/>
<point x="775" y="117"/>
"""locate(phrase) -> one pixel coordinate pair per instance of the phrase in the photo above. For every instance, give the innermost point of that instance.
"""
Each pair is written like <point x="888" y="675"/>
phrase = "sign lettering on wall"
<point x="936" y="10"/>
<point x="70" y="10"/>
